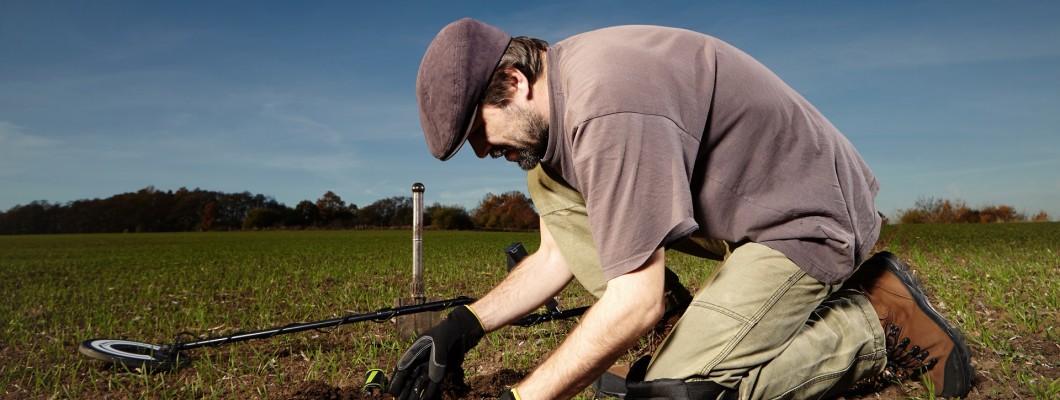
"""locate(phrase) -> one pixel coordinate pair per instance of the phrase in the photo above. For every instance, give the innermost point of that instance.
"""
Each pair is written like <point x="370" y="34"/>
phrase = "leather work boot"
<point x="920" y="341"/>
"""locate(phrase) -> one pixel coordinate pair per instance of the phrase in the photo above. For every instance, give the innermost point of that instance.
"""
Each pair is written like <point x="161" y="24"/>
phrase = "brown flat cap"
<point x="452" y="81"/>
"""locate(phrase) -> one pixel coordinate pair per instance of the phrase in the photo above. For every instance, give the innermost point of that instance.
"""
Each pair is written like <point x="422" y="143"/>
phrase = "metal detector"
<point x="166" y="357"/>
<point x="151" y="357"/>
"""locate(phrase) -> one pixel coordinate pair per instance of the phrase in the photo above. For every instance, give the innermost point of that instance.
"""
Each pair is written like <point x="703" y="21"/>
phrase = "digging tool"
<point x="413" y="325"/>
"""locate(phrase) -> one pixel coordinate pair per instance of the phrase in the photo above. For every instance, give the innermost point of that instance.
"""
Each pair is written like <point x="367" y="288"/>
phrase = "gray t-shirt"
<point x="669" y="133"/>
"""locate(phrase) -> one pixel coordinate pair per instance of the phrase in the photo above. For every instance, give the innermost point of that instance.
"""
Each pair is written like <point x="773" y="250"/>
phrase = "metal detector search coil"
<point x="134" y="354"/>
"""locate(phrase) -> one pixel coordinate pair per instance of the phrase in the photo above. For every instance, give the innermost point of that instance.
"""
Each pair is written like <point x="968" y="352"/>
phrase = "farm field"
<point x="997" y="281"/>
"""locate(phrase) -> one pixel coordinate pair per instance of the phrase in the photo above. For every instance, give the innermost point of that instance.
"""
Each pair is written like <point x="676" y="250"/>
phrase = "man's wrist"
<point x="477" y="318"/>
<point x="511" y="394"/>
<point x="471" y="327"/>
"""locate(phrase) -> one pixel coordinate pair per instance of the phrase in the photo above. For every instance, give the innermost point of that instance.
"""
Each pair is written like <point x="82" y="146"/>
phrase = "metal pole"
<point x="378" y="315"/>
<point x="417" y="243"/>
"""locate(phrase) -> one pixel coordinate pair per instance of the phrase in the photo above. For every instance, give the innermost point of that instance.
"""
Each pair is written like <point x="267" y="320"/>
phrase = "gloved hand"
<point x="509" y="395"/>
<point x="438" y="351"/>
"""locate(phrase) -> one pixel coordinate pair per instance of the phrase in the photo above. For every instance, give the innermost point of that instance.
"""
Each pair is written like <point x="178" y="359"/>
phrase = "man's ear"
<point x="522" y="89"/>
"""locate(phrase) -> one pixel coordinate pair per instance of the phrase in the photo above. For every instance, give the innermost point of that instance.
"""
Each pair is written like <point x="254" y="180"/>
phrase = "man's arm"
<point x="630" y="306"/>
<point x="539" y="277"/>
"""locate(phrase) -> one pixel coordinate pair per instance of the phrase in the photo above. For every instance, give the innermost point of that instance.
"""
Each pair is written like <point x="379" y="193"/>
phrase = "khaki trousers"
<point x="758" y="323"/>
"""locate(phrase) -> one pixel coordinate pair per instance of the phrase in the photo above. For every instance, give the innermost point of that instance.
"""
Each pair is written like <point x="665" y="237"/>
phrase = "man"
<point x="639" y="139"/>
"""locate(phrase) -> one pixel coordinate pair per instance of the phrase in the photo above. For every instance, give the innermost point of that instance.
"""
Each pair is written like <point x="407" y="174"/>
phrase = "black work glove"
<point x="433" y="355"/>
<point x="508" y="395"/>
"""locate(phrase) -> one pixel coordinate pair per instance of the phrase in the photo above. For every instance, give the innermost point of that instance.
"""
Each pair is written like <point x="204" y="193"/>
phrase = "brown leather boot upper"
<point x="919" y="339"/>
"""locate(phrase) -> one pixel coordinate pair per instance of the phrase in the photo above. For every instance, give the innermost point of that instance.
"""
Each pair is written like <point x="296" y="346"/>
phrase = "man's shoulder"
<point x="638" y="69"/>
<point x="624" y="33"/>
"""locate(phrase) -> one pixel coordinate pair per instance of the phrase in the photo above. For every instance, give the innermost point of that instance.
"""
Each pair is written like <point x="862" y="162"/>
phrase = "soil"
<point x="487" y="386"/>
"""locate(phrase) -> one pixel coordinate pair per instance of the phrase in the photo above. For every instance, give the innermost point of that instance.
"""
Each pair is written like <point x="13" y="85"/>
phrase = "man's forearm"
<point x="525" y="289"/>
<point x="631" y="305"/>
<point x="536" y="279"/>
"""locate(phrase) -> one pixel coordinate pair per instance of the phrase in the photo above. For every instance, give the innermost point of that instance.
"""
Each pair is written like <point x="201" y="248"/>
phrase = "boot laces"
<point x="903" y="360"/>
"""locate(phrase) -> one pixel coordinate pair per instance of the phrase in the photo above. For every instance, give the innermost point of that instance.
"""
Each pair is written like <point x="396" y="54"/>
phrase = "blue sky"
<point x="952" y="99"/>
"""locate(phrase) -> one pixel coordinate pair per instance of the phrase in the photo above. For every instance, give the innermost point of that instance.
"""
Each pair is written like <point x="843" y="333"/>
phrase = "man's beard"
<point x="531" y="129"/>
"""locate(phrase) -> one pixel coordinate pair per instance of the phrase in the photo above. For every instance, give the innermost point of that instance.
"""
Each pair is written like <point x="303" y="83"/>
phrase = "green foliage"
<point x="508" y="211"/>
<point x="262" y="218"/>
<point x="448" y="217"/>
<point x="146" y="210"/>
<point x="332" y="208"/>
<point x="930" y="210"/>
<point x="998" y="283"/>
<point x="150" y="210"/>
<point x="392" y="211"/>
<point x="62" y="289"/>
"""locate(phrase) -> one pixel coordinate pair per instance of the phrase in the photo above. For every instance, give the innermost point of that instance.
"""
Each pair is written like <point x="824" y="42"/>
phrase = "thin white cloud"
<point x="18" y="149"/>
<point x="320" y="164"/>
<point x="303" y="124"/>
<point x="14" y="140"/>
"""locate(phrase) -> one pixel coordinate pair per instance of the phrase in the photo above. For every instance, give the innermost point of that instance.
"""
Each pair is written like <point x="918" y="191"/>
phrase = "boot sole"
<point x="962" y="365"/>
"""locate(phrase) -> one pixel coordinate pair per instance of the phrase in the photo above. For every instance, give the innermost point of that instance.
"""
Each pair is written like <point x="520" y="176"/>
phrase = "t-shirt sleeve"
<point x="634" y="172"/>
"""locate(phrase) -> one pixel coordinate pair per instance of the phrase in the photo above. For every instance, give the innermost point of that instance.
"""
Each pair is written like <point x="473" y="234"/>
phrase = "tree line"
<point x="184" y="210"/>
<point x="930" y="210"/>
<point x="151" y="210"/>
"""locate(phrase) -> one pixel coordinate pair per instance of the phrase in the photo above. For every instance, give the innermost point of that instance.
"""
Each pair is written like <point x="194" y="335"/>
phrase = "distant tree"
<point x="263" y="218"/>
<point x="352" y="211"/>
<point x="146" y="210"/>
<point x="232" y="208"/>
<point x="36" y="217"/>
<point x="392" y="211"/>
<point x="447" y="217"/>
<point x="209" y="216"/>
<point x="1042" y="216"/>
<point x="510" y="210"/>
<point x="333" y="210"/>
<point x="932" y="210"/>
<point x="1001" y="213"/>
<point x="186" y="211"/>
<point x="306" y="213"/>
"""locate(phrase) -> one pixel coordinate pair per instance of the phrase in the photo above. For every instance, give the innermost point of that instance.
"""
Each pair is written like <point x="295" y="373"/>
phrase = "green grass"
<point x="148" y="287"/>
<point x="998" y="282"/>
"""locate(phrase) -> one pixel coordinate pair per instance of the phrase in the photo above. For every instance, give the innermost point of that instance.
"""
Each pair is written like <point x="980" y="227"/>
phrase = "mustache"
<point x="499" y="152"/>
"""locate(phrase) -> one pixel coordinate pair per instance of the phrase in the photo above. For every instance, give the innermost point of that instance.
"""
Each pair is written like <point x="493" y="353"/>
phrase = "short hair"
<point x="523" y="54"/>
